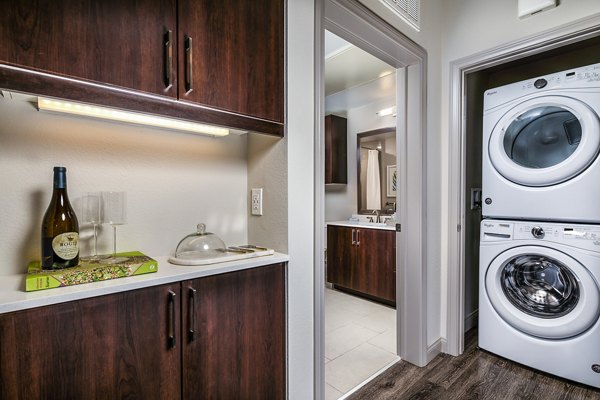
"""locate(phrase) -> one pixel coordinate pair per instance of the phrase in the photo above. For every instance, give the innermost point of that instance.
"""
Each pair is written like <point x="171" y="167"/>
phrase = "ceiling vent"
<point x="408" y="10"/>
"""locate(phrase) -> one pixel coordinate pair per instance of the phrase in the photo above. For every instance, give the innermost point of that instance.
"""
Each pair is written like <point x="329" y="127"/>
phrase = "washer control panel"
<point x="578" y="235"/>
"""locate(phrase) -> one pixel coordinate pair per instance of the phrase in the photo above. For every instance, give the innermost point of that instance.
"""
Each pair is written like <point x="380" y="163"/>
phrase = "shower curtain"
<point x="373" y="181"/>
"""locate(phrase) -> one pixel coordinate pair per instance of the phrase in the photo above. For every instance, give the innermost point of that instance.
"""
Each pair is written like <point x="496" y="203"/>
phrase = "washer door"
<point x="545" y="141"/>
<point x="542" y="292"/>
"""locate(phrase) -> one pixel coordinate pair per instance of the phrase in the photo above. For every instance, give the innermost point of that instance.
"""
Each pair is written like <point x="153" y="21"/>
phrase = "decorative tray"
<point x="232" y="253"/>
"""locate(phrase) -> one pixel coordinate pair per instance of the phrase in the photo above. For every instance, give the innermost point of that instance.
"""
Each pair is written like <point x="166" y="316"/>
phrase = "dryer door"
<point x="542" y="292"/>
<point x="545" y="141"/>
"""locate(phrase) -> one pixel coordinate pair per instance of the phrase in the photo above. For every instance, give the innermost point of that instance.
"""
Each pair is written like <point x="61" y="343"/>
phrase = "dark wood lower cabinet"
<point x="363" y="261"/>
<point x="140" y="345"/>
<point x="238" y="350"/>
<point x="109" y="347"/>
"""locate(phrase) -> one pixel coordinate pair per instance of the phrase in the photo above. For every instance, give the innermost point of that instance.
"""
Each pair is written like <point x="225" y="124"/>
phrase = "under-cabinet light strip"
<point x="387" y="111"/>
<point x="86" y="110"/>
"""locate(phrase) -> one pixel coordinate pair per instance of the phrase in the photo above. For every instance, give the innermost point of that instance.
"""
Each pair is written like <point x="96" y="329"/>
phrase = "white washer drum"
<point x="539" y="296"/>
<point x="541" y="145"/>
<point x="542" y="292"/>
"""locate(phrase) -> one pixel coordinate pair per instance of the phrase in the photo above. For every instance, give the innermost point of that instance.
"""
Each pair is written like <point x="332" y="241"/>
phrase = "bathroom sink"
<point x="374" y="224"/>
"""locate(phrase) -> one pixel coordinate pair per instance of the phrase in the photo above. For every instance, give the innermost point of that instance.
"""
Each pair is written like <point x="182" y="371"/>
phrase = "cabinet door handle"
<point x="171" y="338"/>
<point x="188" y="64"/>
<point x="358" y="237"/>
<point x="168" y="67"/>
<point x="353" y="240"/>
<point x="192" y="315"/>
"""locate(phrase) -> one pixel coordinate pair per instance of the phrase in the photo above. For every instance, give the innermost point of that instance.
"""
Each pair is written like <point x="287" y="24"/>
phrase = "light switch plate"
<point x="256" y="198"/>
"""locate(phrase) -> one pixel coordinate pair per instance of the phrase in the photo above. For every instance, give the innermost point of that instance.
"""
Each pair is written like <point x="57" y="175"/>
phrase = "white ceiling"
<point x="347" y="66"/>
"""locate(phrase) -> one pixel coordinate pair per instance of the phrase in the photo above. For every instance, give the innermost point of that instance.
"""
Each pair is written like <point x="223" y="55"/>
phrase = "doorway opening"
<point x="561" y="49"/>
<point x="352" y="22"/>
<point x="360" y="148"/>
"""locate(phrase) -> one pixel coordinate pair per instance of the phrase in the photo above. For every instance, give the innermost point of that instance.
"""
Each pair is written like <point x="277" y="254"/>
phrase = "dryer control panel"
<point x="587" y="77"/>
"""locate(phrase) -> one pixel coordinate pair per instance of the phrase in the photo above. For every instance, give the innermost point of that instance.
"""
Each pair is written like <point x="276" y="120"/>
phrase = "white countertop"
<point x="369" y="225"/>
<point x="13" y="296"/>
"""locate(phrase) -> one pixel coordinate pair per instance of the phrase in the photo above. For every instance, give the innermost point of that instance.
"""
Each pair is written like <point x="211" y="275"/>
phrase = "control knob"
<point x="538" y="232"/>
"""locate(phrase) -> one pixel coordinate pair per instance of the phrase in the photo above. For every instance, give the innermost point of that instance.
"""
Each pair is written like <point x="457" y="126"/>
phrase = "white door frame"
<point x="570" y="33"/>
<point x="354" y="22"/>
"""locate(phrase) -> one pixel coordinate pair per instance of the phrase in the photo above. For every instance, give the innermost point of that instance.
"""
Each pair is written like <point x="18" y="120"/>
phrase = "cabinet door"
<point x="340" y="256"/>
<point x="376" y="263"/>
<point x="116" y="42"/>
<point x="336" y="149"/>
<point x="237" y="348"/>
<point x="109" y="347"/>
<point x="236" y="55"/>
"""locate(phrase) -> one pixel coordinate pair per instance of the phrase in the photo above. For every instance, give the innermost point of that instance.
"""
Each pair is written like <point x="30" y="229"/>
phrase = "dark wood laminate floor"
<point x="476" y="374"/>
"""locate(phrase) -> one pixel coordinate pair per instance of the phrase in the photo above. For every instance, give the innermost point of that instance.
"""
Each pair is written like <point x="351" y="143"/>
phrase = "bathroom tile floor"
<point x="360" y="339"/>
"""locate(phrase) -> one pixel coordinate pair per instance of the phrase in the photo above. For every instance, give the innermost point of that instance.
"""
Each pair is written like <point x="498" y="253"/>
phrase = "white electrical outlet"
<point x="257" y="202"/>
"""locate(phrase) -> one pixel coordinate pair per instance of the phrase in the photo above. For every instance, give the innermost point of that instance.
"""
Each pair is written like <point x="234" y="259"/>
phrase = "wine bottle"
<point x="60" y="230"/>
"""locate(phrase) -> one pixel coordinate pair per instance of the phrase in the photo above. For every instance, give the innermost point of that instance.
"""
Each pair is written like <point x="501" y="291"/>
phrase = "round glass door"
<point x="542" y="292"/>
<point x="545" y="141"/>
<point x="540" y="286"/>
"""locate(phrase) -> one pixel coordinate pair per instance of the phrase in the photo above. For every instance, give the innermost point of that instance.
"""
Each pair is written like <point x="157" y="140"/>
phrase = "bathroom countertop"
<point x="367" y="225"/>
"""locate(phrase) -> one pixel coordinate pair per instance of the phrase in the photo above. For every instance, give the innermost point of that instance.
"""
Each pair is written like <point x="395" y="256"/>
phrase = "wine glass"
<point x="115" y="214"/>
<point x="91" y="213"/>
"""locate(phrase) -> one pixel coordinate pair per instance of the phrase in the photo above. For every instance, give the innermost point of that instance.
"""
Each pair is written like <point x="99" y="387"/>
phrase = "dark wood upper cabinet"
<point x="236" y="52"/>
<point x="336" y="149"/>
<point x="363" y="261"/>
<point x="225" y="56"/>
<point x="115" y="42"/>
<point x="109" y="347"/>
<point x="234" y="339"/>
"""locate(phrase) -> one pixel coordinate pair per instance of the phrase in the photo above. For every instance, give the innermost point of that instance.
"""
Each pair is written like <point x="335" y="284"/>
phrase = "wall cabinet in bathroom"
<point x="362" y="261"/>
<point x="336" y="150"/>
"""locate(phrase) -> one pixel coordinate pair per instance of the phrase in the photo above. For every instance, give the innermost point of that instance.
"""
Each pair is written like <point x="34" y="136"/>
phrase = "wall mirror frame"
<point x="384" y="141"/>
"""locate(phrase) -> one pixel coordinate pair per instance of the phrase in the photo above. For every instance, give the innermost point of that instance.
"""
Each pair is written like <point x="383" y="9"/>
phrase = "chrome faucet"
<point x="378" y="213"/>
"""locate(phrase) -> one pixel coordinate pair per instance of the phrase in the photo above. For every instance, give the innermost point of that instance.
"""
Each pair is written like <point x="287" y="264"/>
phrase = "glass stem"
<point x="114" y="241"/>
<point x="95" y="242"/>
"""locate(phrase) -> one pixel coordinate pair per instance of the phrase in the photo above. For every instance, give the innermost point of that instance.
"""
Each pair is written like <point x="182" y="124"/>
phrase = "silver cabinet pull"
<point x="353" y="240"/>
<point x="168" y="67"/>
<point x="171" y="341"/>
<point x="192" y="315"/>
<point x="358" y="237"/>
<point x="189" y="86"/>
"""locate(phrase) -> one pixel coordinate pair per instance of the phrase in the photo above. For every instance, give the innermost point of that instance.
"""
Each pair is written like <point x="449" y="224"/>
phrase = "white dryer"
<point x="541" y="139"/>
<point x="539" y="299"/>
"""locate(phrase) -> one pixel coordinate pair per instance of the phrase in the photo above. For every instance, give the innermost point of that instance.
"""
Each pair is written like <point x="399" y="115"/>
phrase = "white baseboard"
<point x="434" y="349"/>
<point x="444" y="345"/>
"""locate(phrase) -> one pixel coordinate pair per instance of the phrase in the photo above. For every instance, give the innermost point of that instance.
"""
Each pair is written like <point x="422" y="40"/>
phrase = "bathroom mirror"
<point x="376" y="159"/>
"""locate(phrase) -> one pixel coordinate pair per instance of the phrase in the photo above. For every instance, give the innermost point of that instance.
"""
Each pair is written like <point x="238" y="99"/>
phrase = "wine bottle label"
<point x="66" y="245"/>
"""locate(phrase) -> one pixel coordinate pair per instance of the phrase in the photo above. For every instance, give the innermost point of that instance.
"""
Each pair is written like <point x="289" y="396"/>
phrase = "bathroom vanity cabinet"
<point x="362" y="261"/>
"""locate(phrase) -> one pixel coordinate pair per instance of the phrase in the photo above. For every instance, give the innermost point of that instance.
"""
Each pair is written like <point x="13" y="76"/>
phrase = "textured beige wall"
<point x="173" y="181"/>
<point x="267" y="169"/>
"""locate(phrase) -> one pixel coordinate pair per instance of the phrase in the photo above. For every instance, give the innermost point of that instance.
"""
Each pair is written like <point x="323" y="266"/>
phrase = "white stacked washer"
<point x="539" y="301"/>
<point x="541" y="139"/>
